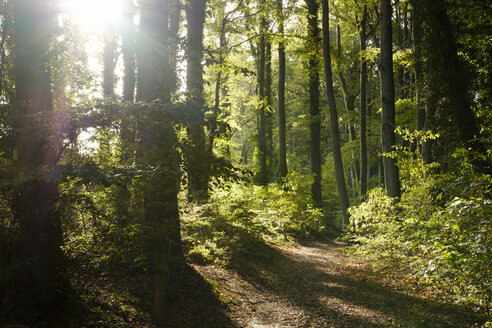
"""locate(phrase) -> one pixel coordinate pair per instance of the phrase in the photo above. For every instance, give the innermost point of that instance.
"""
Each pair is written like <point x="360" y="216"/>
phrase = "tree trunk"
<point x="158" y="140"/>
<point x="335" y="133"/>
<point x="281" y="97"/>
<point x="315" y="119"/>
<point x="271" y="158"/>
<point x="349" y="101"/>
<point x="198" y="161"/>
<point x="262" y="175"/>
<point x="42" y="281"/>
<point x="109" y="60"/>
<point x="363" y="104"/>
<point x="391" y="176"/>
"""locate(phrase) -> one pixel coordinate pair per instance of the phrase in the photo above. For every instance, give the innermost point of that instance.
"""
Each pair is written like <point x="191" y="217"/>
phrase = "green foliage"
<point x="439" y="232"/>
<point x="241" y="218"/>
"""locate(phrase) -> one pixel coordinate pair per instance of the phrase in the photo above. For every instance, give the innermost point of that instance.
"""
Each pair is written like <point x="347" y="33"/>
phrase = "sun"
<point x="94" y="14"/>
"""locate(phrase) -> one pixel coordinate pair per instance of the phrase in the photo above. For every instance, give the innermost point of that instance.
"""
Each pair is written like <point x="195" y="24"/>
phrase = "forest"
<point x="245" y="163"/>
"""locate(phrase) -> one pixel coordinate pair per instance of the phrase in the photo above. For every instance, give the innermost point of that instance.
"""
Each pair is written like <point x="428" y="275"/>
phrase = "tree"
<point x="448" y="96"/>
<point x="262" y="175"/>
<point x="391" y="176"/>
<point x="363" y="103"/>
<point x="36" y="188"/>
<point x="198" y="162"/>
<point x="314" y="112"/>
<point x="281" y="96"/>
<point x="160" y="189"/>
<point x="335" y="133"/>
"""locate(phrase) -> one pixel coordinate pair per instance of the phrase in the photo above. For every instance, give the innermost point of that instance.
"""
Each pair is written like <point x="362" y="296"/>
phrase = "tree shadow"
<point x="123" y="298"/>
<point x="345" y="299"/>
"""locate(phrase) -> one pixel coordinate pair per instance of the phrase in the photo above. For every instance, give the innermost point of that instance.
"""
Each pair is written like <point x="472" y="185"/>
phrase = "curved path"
<point x="318" y="286"/>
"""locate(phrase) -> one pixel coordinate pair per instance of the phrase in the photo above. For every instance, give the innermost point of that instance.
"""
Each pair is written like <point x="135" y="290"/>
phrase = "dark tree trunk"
<point x="198" y="161"/>
<point x="42" y="282"/>
<point x="158" y="140"/>
<point x="315" y="119"/>
<point x="335" y="133"/>
<point x="391" y="176"/>
<point x="417" y="50"/>
<point x="281" y="97"/>
<point x="262" y="175"/>
<point x="218" y="85"/>
<point x="271" y="158"/>
<point x="363" y="104"/>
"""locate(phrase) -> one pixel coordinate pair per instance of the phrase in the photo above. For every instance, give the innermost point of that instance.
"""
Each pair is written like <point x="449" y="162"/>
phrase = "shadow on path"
<point x="316" y="281"/>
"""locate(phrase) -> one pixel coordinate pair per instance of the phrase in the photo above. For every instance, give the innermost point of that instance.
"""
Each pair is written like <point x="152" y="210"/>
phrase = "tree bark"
<point x="335" y="133"/>
<point x="43" y="281"/>
<point x="391" y="175"/>
<point x="363" y="104"/>
<point x="262" y="175"/>
<point x="282" y="147"/>
<point x="198" y="159"/>
<point x="315" y="119"/>
<point x="158" y="140"/>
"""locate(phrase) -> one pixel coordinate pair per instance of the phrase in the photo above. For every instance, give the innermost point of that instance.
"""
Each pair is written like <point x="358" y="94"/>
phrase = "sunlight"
<point x="94" y="14"/>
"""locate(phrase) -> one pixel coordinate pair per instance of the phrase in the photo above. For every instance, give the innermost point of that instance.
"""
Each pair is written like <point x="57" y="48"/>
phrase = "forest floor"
<point x="306" y="285"/>
<point x="317" y="285"/>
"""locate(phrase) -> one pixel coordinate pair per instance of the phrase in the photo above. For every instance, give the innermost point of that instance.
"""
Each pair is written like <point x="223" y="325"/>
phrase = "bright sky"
<point x="93" y="15"/>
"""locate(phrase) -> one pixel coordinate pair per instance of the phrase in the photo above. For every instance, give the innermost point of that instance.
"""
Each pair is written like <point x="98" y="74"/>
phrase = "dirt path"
<point x="317" y="286"/>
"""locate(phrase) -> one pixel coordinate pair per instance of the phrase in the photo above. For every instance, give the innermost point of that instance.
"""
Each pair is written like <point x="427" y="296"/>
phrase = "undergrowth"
<point x="439" y="232"/>
<point x="240" y="219"/>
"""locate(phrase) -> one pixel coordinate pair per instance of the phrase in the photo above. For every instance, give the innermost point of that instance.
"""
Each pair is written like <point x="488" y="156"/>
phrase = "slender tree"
<point x="262" y="175"/>
<point x="282" y="147"/>
<point x="315" y="119"/>
<point x="335" y="133"/>
<point x="363" y="103"/>
<point x="391" y="175"/>
<point x="43" y="277"/>
<point x="198" y="167"/>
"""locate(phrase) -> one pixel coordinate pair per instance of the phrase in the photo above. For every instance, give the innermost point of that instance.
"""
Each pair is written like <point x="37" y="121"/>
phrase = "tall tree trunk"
<point x="315" y="119"/>
<point x="391" y="175"/>
<point x="281" y="96"/>
<point x="218" y="85"/>
<point x="109" y="60"/>
<point x="417" y="50"/>
<point x="262" y="175"/>
<point x="109" y="63"/>
<point x="198" y="162"/>
<point x="349" y="102"/>
<point x="363" y="104"/>
<point x="158" y="140"/>
<point x="335" y="133"/>
<point x="271" y="158"/>
<point x="127" y="134"/>
<point x="43" y="279"/>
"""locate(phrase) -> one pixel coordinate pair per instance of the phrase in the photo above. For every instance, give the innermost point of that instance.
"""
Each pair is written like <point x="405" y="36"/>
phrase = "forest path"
<point x="317" y="285"/>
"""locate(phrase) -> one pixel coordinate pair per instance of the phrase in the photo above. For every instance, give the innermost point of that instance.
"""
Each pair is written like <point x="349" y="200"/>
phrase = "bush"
<point x="240" y="219"/>
<point x="439" y="232"/>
